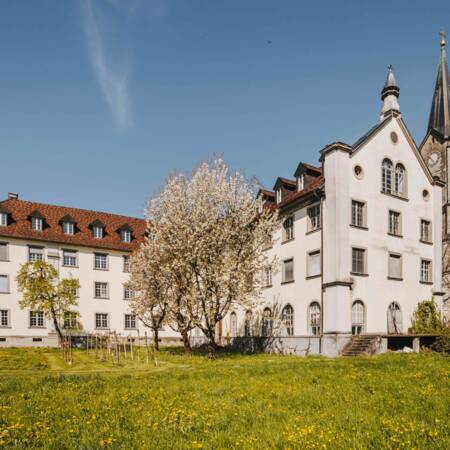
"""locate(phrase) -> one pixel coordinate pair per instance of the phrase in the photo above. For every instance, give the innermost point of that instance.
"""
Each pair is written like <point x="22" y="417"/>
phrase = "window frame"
<point x="37" y="223"/>
<point x="308" y="263"/>
<point x="397" y="256"/>
<point x="365" y="261"/>
<point x="314" y="321"/>
<point x="233" y="324"/>
<point x="74" y="255"/>
<point x="288" y="229"/>
<point x="429" y="240"/>
<point x="126" y="264"/>
<point x="68" y="228"/>
<point x="41" y="252"/>
<point x="287" y="317"/>
<point x="125" y="236"/>
<point x="8" y="284"/>
<point x="390" y="232"/>
<point x="101" y="327"/>
<point x="130" y="294"/>
<point x="353" y="223"/>
<point x="8" y="318"/>
<point x="6" y="246"/>
<point x="358" y="327"/>
<point x="3" y="219"/>
<point x="429" y="264"/>
<point x="283" y="278"/>
<point x="131" y="318"/>
<point x="386" y="176"/>
<point x="106" y="297"/>
<point x="38" y="319"/>
<point x="314" y="222"/>
<point x="70" y="317"/>
<point x="98" y="232"/>
<point x="104" y="266"/>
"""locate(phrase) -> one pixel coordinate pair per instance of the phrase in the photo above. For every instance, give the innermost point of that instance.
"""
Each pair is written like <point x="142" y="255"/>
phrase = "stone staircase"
<point x="361" y="345"/>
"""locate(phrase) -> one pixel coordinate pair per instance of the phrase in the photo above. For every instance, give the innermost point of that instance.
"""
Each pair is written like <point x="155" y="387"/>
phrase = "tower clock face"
<point x="434" y="159"/>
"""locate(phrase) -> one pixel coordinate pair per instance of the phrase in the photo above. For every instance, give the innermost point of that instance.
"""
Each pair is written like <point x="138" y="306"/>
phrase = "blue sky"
<point x="101" y="100"/>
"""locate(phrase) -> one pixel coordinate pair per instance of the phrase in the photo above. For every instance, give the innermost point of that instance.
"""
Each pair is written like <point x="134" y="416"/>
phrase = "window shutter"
<point x="3" y="252"/>
<point x="4" y="284"/>
<point x="314" y="264"/>
<point x="395" y="266"/>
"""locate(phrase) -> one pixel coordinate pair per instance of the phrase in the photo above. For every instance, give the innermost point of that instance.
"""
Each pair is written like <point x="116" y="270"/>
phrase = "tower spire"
<point x="440" y="106"/>
<point x="390" y="94"/>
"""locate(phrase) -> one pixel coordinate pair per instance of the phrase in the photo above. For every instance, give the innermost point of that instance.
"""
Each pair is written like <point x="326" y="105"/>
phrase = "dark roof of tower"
<point x="440" y="107"/>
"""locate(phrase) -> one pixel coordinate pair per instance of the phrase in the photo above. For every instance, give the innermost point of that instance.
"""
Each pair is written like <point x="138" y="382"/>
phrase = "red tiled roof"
<point x="315" y="184"/>
<point x="19" y="225"/>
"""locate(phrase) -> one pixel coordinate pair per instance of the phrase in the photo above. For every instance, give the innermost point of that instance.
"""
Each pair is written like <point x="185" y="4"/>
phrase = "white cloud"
<point x="113" y="83"/>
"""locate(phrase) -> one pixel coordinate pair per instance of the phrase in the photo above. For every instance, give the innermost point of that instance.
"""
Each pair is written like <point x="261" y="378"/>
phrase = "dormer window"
<point x="301" y="182"/>
<point x="125" y="232"/>
<point x="67" y="225"/>
<point x="97" y="232"/>
<point x="98" y="229"/>
<point x="37" y="224"/>
<point x="125" y="235"/>
<point x="3" y="219"/>
<point x="279" y="195"/>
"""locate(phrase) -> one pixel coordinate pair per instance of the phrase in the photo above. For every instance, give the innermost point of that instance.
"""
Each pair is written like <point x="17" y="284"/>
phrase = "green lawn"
<point x="264" y="401"/>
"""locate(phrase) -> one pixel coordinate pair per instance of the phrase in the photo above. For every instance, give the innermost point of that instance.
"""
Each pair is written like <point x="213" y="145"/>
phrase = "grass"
<point x="261" y="401"/>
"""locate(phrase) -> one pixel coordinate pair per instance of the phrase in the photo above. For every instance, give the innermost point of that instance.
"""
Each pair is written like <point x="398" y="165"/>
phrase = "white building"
<point x="361" y="241"/>
<point x="91" y="246"/>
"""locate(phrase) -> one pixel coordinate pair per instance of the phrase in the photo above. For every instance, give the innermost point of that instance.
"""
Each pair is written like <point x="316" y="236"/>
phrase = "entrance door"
<point x="394" y="319"/>
<point x="358" y="317"/>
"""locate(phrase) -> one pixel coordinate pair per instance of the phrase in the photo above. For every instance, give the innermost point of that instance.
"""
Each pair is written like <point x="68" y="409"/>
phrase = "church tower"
<point x="435" y="150"/>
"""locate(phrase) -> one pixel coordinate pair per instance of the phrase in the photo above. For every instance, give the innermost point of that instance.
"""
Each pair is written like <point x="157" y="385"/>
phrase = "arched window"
<point x="267" y="322"/>
<point x="287" y="316"/>
<point x="248" y="329"/>
<point x="314" y="318"/>
<point x="386" y="176"/>
<point x="233" y="324"/>
<point x="400" y="179"/>
<point x="358" y="313"/>
<point x="394" y="319"/>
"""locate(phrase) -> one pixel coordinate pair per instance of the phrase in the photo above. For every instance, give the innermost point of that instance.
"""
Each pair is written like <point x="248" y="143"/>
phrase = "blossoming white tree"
<point x="209" y="232"/>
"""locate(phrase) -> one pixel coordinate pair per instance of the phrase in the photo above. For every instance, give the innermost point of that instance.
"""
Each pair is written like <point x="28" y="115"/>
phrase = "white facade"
<point x="380" y="241"/>
<point x="102" y="307"/>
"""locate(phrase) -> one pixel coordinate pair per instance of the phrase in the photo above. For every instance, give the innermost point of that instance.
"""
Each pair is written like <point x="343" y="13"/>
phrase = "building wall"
<point x="116" y="306"/>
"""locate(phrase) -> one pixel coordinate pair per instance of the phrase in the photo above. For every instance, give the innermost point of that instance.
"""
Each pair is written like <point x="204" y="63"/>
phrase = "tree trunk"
<point x="156" y="338"/>
<point x="56" y="324"/>
<point x="186" y="342"/>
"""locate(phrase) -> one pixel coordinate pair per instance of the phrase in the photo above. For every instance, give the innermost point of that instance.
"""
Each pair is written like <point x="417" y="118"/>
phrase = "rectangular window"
<point x="268" y="276"/>
<point x="128" y="293"/>
<point x="70" y="258"/>
<point x="3" y="219"/>
<point x="4" y="284"/>
<point x="37" y="224"/>
<point x="425" y="230"/>
<point x="101" y="321"/>
<point x="100" y="261"/>
<point x="97" y="232"/>
<point x="395" y="223"/>
<point x="288" y="270"/>
<point x="288" y="229"/>
<point x="359" y="261"/>
<point x="68" y="227"/>
<point x="101" y="290"/>
<point x="70" y="320"/>
<point x="425" y="271"/>
<point x="3" y="251"/>
<point x="36" y="319"/>
<point x="395" y="266"/>
<point x="313" y="264"/>
<point x="358" y="214"/>
<point x="279" y="195"/>
<point x="4" y="318"/>
<point x="126" y="263"/>
<point x="314" y="218"/>
<point x="130" y="321"/>
<point x="125" y="235"/>
<point x="35" y="254"/>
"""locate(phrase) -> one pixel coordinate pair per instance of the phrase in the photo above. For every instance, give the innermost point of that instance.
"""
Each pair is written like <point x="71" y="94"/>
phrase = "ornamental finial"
<point x="443" y="38"/>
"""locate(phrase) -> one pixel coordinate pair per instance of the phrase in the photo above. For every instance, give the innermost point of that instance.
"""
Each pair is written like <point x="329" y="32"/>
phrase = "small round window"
<point x="358" y="171"/>
<point x="394" y="137"/>
<point x="425" y="195"/>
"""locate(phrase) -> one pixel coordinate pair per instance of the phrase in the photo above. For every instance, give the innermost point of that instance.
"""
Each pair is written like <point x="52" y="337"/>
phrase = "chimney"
<point x="13" y="196"/>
